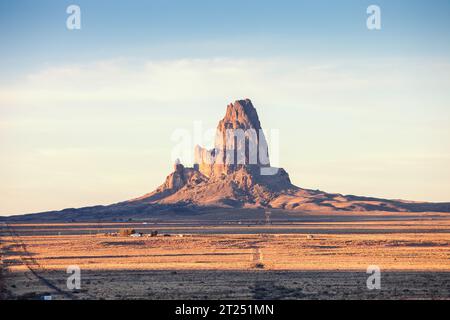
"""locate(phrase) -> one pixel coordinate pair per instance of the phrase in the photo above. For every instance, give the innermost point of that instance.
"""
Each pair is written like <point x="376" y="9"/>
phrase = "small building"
<point x="136" y="235"/>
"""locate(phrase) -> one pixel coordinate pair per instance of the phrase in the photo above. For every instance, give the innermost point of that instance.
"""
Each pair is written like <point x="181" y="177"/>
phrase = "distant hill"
<point x="235" y="174"/>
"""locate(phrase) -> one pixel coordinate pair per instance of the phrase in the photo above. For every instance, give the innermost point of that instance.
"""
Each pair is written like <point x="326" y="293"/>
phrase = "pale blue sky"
<point x="86" y="116"/>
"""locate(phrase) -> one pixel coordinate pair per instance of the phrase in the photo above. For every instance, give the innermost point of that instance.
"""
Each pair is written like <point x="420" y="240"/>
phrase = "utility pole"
<point x="268" y="213"/>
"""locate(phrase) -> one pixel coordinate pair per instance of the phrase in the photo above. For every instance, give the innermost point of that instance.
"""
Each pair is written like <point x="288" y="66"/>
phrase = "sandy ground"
<point x="296" y="260"/>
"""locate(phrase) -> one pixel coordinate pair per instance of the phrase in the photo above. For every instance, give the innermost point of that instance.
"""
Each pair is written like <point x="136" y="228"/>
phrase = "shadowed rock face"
<point x="240" y="115"/>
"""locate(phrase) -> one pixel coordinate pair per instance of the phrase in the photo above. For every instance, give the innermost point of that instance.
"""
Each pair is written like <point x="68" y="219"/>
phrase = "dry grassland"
<point x="321" y="263"/>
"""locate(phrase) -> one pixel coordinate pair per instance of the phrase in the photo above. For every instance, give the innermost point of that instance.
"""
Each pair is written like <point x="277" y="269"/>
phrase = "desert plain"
<point x="307" y="256"/>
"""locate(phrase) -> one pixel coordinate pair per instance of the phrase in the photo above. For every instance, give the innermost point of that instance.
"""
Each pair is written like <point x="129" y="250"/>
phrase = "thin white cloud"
<point x="186" y="80"/>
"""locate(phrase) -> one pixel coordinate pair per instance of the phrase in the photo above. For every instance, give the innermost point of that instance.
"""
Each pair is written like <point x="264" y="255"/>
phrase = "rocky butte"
<point x="232" y="174"/>
<point x="214" y="181"/>
<point x="235" y="174"/>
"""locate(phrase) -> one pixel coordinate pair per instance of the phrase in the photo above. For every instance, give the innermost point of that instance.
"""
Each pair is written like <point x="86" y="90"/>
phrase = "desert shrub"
<point x="259" y="265"/>
<point x="126" y="232"/>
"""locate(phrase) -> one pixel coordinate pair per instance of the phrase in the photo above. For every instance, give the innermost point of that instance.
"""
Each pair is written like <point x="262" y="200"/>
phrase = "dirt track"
<point x="35" y="270"/>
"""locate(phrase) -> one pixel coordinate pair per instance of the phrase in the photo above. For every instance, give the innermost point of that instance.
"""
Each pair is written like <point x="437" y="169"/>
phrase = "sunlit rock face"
<point x="239" y="142"/>
<point x="230" y="173"/>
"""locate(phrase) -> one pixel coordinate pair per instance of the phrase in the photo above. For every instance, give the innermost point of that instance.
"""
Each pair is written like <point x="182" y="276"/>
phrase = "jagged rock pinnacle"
<point x="239" y="141"/>
<point x="216" y="180"/>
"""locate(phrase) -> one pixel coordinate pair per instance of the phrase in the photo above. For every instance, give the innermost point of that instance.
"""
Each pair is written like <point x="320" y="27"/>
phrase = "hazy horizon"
<point x="86" y="116"/>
